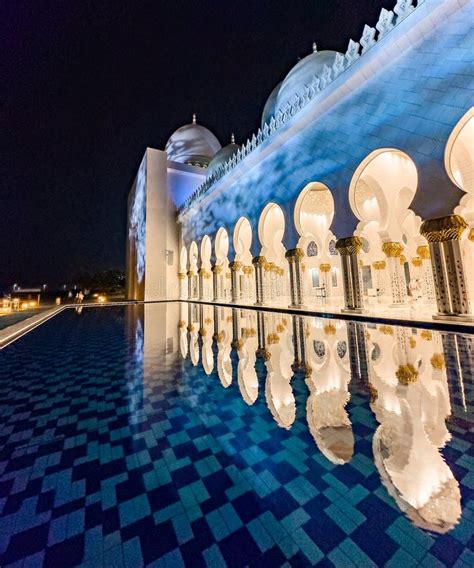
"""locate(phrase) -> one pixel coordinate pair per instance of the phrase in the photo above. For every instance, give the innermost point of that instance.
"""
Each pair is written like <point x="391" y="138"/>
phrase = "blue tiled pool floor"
<point x="117" y="451"/>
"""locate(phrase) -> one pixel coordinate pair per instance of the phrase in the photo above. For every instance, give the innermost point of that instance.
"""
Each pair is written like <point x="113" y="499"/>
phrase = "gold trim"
<point x="292" y="254"/>
<point x="449" y="228"/>
<point x="437" y="361"/>
<point x="423" y="251"/>
<point x="259" y="260"/>
<point x="407" y="374"/>
<point x="392" y="249"/>
<point x="181" y="275"/>
<point x="325" y="267"/>
<point x="379" y="265"/>
<point x="349" y="245"/>
<point x="329" y="329"/>
<point x="416" y="261"/>
<point x="426" y="335"/>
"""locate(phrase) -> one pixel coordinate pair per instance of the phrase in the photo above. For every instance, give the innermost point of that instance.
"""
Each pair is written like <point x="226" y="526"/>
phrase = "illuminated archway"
<point x="380" y="194"/>
<point x="222" y="279"/>
<point x="242" y="243"/>
<point x="183" y="268"/>
<point x="313" y="215"/>
<point x="459" y="154"/>
<point x="459" y="163"/>
<point x="193" y="289"/>
<point x="205" y="270"/>
<point x="271" y="229"/>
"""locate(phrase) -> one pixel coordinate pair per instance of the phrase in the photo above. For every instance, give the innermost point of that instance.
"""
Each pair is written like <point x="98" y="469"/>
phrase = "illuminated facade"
<point x="357" y="192"/>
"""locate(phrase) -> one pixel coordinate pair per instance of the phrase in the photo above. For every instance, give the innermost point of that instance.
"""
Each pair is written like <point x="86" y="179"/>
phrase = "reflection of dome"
<point x="269" y="108"/>
<point x="222" y="156"/>
<point x="303" y="74"/>
<point x="192" y="144"/>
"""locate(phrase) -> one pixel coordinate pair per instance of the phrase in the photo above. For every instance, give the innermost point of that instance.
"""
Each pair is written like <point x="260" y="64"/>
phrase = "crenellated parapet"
<point x="387" y="21"/>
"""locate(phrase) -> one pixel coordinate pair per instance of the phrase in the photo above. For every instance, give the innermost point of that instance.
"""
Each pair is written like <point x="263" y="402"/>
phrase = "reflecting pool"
<point x="187" y="434"/>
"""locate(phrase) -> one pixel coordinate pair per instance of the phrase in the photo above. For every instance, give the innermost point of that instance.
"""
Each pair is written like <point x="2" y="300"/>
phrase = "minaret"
<point x="232" y="138"/>
<point x="194" y="118"/>
<point x="315" y="47"/>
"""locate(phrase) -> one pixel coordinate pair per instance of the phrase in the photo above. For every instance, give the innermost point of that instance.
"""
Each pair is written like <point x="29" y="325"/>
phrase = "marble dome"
<point x="222" y="156"/>
<point x="192" y="144"/>
<point x="269" y="108"/>
<point x="302" y="74"/>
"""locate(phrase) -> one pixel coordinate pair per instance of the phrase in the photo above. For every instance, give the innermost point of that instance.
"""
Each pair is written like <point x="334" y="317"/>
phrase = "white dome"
<point x="269" y="108"/>
<point x="192" y="144"/>
<point x="302" y="74"/>
<point x="222" y="156"/>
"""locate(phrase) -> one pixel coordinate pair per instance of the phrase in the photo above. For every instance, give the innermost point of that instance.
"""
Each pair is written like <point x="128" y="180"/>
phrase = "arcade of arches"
<point x="394" y="259"/>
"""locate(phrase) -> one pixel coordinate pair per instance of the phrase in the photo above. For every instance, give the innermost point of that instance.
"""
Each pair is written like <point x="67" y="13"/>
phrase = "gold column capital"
<point x="437" y="361"/>
<point x="248" y="270"/>
<point x="449" y="228"/>
<point x="217" y="269"/>
<point x="235" y="265"/>
<point x="259" y="260"/>
<point x="190" y="273"/>
<point x="379" y="265"/>
<point x="349" y="245"/>
<point x="416" y="261"/>
<point x="325" y="267"/>
<point x="423" y="251"/>
<point x="471" y="235"/>
<point x="181" y="275"/>
<point x="406" y="374"/>
<point x="392" y="249"/>
<point x="292" y="254"/>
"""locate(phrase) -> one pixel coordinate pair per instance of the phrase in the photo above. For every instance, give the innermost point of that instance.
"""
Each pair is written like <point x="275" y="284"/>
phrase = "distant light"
<point x="101" y="299"/>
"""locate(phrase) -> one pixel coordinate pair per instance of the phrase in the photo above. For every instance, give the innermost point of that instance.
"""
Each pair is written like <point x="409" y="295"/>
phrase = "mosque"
<point x="355" y="194"/>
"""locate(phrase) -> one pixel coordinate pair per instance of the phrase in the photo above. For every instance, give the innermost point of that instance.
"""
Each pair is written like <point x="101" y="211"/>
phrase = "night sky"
<point x="87" y="85"/>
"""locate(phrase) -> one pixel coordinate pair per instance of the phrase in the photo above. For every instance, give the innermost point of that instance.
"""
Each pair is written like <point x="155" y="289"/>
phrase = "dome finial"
<point x="232" y="138"/>
<point x="315" y="47"/>
<point x="194" y="118"/>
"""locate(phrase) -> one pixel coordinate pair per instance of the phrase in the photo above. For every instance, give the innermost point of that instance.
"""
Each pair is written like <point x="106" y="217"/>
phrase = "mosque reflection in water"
<point x="415" y="381"/>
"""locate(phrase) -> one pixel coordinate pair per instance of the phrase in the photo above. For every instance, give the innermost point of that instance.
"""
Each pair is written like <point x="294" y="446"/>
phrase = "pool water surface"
<point x="195" y="435"/>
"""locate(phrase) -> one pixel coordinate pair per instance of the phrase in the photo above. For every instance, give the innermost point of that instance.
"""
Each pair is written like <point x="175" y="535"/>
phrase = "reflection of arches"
<point x="459" y="153"/>
<point x="205" y="281"/>
<point x="314" y="210"/>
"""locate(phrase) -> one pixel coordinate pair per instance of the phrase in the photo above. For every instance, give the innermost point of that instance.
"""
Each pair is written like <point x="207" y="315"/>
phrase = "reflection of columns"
<point x="427" y="285"/>
<point x="349" y="249"/>
<point x="258" y="263"/>
<point x="235" y="266"/>
<point x="443" y="235"/>
<point x="216" y="270"/>
<point x="294" y="256"/>
<point x="325" y="270"/>
<point x="357" y="350"/>
<point x="394" y="250"/>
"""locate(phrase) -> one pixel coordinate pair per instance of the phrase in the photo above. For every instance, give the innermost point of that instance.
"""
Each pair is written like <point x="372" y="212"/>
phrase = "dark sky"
<point x="86" y="85"/>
